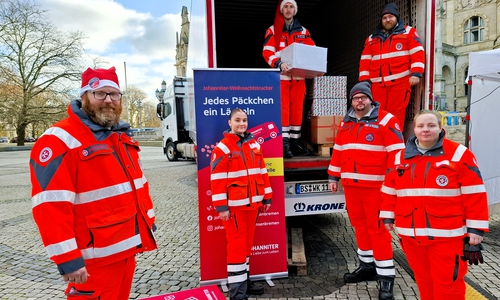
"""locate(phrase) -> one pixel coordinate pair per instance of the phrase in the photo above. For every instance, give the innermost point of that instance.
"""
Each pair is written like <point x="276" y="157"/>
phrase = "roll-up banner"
<point x="257" y="91"/>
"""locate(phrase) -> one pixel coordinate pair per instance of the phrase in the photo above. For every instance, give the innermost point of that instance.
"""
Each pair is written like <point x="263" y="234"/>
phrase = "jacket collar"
<point x="379" y="32"/>
<point x="99" y="131"/>
<point x="371" y="117"/>
<point x="436" y="150"/>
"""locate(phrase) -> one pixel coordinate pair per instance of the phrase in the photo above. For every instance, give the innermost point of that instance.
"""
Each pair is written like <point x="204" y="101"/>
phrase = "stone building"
<point x="465" y="26"/>
<point x="182" y="41"/>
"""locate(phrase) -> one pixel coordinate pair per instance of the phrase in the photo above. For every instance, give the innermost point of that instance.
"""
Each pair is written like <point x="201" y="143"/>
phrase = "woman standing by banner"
<point x="240" y="189"/>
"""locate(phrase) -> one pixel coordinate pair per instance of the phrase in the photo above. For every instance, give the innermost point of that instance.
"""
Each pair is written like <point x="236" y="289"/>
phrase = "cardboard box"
<point x="324" y="129"/>
<point x="210" y="292"/>
<point x="305" y="60"/>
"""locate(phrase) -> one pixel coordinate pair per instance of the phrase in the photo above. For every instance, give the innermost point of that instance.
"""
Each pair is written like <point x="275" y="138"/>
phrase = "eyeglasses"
<point x="102" y="95"/>
<point x="361" y="98"/>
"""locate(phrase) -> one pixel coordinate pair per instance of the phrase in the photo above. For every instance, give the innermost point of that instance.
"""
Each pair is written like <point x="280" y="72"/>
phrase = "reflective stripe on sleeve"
<point x="61" y="247"/>
<point x="473" y="189"/>
<point x="387" y="190"/>
<point x="386" y="214"/>
<point x="480" y="224"/>
<point x="124" y="245"/>
<point x="52" y="196"/>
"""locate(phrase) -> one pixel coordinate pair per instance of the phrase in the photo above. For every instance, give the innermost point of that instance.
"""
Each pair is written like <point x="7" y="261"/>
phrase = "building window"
<point x="474" y="30"/>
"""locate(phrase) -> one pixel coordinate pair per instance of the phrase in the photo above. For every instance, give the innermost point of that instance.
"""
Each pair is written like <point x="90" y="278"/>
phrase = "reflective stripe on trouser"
<point x="374" y="241"/>
<point x="240" y="230"/>
<point x="292" y="105"/>
<point x="394" y="99"/>
<point x="112" y="281"/>
<point x="439" y="270"/>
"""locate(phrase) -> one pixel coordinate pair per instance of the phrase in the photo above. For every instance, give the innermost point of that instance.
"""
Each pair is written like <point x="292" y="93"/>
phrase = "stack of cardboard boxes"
<point x="329" y="106"/>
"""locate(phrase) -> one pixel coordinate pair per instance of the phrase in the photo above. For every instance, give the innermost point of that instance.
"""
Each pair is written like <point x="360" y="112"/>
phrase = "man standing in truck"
<point x="285" y="31"/>
<point x="367" y="140"/>
<point x="393" y="61"/>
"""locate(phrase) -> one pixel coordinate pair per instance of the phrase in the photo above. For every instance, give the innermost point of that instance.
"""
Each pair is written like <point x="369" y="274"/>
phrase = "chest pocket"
<point x="94" y="150"/>
<point x="369" y="138"/>
<point x="399" y="44"/>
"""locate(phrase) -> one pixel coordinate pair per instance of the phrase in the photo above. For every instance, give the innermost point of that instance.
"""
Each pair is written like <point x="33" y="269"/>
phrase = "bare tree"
<point x="149" y="115"/>
<point x="39" y="61"/>
<point x="134" y="99"/>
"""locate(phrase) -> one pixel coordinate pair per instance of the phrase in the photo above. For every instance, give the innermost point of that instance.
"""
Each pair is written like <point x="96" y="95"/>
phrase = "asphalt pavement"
<point x="27" y="273"/>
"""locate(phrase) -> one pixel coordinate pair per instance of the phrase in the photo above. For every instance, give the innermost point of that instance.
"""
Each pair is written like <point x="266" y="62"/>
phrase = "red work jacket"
<point x="239" y="176"/>
<point x="90" y="198"/>
<point x="362" y="148"/>
<point x="393" y="59"/>
<point x="439" y="194"/>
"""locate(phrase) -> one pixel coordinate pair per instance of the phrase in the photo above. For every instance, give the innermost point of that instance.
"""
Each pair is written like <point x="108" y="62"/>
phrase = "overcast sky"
<point x="141" y="33"/>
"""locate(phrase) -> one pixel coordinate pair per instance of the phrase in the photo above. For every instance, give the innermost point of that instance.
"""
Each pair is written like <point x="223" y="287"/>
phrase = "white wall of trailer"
<point x="484" y="107"/>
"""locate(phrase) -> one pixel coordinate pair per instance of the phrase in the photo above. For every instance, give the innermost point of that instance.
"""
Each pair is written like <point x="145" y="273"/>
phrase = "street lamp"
<point x="139" y="107"/>
<point x="160" y="93"/>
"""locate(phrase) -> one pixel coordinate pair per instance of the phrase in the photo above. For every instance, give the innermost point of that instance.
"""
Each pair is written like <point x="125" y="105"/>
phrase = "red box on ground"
<point x="209" y="292"/>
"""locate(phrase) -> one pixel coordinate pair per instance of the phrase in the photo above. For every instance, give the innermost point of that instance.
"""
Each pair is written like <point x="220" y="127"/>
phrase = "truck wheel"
<point x="171" y="152"/>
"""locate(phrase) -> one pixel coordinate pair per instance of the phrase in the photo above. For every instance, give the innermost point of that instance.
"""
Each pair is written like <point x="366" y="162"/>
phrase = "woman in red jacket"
<point x="436" y="200"/>
<point x="240" y="189"/>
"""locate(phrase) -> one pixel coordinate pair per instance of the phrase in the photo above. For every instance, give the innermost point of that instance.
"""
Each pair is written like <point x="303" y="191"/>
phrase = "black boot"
<point x="238" y="291"/>
<point x="365" y="272"/>
<point x="286" y="148"/>
<point x="386" y="289"/>
<point x="254" y="289"/>
<point x="298" y="149"/>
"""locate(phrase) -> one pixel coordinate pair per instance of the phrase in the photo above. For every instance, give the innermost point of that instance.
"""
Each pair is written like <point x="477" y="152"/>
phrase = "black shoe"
<point x="287" y="153"/>
<point x="298" y="150"/>
<point x="254" y="289"/>
<point x="360" y="274"/>
<point x="386" y="290"/>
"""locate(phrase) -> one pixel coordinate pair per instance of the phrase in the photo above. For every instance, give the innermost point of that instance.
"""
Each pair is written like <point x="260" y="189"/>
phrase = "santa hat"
<point x="279" y="21"/>
<point x="289" y="1"/>
<point x="93" y="79"/>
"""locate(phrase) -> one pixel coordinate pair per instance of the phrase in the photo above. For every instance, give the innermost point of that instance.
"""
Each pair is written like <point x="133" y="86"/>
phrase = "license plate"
<point x="311" y="187"/>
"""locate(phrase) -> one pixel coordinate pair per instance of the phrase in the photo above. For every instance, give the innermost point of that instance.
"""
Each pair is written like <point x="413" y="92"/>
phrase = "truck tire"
<point x="171" y="152"/>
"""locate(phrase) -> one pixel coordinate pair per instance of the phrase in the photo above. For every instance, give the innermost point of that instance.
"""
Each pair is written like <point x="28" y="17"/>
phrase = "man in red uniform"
<point x="366" y="141"/>
<point x="90" y="198"/>
<point x="285" y="31"/>
<point x="393" y="61"/>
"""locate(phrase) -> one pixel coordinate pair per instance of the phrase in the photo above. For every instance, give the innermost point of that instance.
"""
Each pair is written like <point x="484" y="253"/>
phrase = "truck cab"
<point x="173" y="111"/>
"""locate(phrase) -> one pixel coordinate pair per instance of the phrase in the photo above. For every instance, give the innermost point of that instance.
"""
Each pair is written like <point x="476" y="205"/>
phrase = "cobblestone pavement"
<point x="27" y="273"/>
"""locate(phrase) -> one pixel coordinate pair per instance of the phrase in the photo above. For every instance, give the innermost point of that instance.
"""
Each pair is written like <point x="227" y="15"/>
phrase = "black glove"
<point x="472" y="253"/>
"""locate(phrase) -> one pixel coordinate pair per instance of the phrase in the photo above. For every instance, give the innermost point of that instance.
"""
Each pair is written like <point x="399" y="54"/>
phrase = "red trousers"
<point x="363" y="206"/>
<point x="110" y="282"/>
<point x="439" y="270"/>
<point x="394" y="99"/>
<point x="292" y="105"/>
<point x="240" y="231"/>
